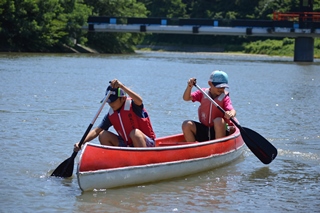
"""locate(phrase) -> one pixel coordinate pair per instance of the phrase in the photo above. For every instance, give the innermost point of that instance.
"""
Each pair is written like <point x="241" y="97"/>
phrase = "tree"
<point x="41" y="26"/>
<point x="165" y="8"/>
<point x="115" y="42"/>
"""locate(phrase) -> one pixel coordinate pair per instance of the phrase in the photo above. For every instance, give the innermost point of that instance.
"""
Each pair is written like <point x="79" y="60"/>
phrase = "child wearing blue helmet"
<point x="212" y="122"/>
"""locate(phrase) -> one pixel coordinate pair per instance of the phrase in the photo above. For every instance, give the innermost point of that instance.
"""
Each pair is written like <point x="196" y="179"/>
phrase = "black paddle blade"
<point x="65" y="169"/>
<point x="260" y="146"/>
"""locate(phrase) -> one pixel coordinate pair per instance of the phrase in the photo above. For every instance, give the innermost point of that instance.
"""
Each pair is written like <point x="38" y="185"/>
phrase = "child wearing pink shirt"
<point x="212" y="122"/>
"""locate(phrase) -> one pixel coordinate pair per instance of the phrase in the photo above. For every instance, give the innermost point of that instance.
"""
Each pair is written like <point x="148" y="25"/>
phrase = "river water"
<point x="48" y="100"/>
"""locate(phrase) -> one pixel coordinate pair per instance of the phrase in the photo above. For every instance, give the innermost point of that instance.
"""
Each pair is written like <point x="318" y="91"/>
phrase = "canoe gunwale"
<point x="179" y="146"/>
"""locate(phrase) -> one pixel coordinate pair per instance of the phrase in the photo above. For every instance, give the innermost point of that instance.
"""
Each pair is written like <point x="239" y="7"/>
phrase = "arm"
<point x="135" y="97"/>
<point x="92" y="135"/>
<point x="230" y="111"/>
<point x="187" y="93"/>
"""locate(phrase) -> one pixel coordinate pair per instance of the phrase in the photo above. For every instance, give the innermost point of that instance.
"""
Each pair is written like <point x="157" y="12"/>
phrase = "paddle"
<point x="65" y="169"/>
<point x="260" y="146"/>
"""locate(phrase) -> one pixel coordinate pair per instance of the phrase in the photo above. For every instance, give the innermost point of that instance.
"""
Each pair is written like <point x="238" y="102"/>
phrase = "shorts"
<point x="202" y="132"/>
<point x="149" y="142"/>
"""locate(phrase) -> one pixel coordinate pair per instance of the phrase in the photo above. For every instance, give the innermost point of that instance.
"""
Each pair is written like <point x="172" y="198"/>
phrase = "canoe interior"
<point x="173" y="140"/>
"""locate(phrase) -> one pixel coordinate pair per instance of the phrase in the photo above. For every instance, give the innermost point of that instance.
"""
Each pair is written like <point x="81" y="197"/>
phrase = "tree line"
<point x="53" y="25"/>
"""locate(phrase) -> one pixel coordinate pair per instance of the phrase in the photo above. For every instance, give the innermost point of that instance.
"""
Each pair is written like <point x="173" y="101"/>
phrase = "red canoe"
<point x="102" y="167"/>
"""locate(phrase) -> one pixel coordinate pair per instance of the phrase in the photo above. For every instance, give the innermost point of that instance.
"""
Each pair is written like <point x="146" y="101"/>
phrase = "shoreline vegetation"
<point x="269" y="47"/>
<point x="282" y="48"/>
<point x="81" y="49"/>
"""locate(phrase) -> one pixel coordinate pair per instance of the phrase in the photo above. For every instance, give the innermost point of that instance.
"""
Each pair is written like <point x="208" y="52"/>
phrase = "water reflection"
<point x="261" y="174"/>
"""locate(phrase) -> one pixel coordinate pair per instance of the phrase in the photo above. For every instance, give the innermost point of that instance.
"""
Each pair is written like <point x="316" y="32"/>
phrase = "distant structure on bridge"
<point x="303" y="26"/>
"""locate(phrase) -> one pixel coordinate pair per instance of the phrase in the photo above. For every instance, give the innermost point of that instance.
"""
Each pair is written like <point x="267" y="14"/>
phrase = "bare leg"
<point x="108" y="138"/>
<point x="189" y="130"/>
<point x="219" y="127"/>
<point x="138" y="138"/>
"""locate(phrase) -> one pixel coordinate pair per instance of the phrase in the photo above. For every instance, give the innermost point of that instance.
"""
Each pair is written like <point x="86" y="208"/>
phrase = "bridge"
<point x="304" y="27"/>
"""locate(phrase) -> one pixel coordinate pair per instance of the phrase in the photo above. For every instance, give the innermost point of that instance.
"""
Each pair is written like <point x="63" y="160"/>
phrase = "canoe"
<point x="103" y="167"/>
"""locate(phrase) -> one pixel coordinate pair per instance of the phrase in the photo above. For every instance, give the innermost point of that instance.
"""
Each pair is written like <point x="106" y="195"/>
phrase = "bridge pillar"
<point x="303" y="49"/>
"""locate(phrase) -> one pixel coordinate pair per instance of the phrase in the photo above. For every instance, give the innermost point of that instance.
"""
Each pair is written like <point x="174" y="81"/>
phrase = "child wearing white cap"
<point x="212" y="122"/>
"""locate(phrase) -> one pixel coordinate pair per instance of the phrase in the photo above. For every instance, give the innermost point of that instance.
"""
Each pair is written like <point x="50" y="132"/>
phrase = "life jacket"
<point x="126" y="120"/>
<point x="207" y="111"/>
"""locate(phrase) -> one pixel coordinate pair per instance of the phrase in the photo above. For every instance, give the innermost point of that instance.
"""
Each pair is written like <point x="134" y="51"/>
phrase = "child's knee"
<point x="218" y="121"/>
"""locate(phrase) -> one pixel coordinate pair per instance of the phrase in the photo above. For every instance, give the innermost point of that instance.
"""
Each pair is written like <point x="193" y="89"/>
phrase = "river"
<point x="48" y="100"/>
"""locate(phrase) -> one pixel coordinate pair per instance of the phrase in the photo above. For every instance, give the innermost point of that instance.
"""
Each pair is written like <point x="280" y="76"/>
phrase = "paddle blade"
<point x="259" y="146"/>
<point x="65" y="169"/>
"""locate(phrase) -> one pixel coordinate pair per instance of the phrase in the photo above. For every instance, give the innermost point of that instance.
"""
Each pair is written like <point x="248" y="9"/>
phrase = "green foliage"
<point x="283" y="47"/>
<point x="76" y="19"/>
<point x="41" y="26"/>
<point x="165" y="8"/>
<point x="317" y="48"/>
<point x="116" y="42"/>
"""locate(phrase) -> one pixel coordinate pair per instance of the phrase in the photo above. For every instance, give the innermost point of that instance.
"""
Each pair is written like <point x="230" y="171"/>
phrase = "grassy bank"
<point x="283" y="47"/>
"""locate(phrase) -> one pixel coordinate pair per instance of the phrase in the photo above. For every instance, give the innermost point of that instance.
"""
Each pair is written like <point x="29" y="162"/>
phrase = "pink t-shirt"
<point x="197" y="96"/>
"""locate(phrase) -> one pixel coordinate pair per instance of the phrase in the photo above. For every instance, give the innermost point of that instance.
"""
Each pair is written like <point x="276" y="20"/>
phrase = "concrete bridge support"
<point x="303" y="49"/>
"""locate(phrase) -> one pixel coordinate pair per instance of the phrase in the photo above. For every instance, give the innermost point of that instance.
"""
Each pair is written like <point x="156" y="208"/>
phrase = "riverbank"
<point x="285" y="52"/>
<point x="268" y="48"/>
<point x="164" y="48"/>
<point x="180" y="48"/>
